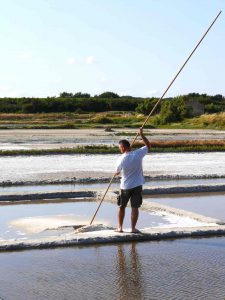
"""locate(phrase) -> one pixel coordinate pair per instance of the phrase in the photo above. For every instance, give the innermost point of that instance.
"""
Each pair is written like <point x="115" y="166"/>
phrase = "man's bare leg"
<point x="134" y="218"/>
<point x="121" y="215"/>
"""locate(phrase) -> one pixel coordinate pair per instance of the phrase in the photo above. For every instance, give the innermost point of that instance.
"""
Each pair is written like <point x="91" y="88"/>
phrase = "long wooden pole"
<point x="175" y="77"/>
<point x="102" y="199"/>
<point x="151" y="112"/>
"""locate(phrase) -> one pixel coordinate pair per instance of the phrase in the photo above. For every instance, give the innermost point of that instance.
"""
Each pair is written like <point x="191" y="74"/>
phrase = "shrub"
<point x="212" y="108"/>
<point x="147" y="106"/>
<point x="174" y="110"/>
<point x="102" y="120"/>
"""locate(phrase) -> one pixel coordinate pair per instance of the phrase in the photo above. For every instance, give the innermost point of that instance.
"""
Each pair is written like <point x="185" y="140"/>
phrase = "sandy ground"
<point x="58" y="138"/>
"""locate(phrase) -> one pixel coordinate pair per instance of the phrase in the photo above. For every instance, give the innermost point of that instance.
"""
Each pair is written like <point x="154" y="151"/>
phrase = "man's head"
<point x="124" y="146"/>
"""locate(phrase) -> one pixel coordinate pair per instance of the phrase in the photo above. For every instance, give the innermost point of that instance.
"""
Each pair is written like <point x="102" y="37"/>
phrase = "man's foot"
<point x="135" y="230"/>
<point x="120" y="230"/>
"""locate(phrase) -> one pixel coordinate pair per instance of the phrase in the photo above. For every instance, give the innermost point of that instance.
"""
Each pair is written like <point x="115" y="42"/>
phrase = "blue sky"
<point x="132" y="47"/>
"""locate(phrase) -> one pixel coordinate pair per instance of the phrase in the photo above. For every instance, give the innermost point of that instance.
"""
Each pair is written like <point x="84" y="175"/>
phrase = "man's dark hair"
<point x="125" y="143"/>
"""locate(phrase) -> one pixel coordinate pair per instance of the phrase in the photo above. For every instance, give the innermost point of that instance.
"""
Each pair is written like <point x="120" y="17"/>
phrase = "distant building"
<point x="196" y="108"/>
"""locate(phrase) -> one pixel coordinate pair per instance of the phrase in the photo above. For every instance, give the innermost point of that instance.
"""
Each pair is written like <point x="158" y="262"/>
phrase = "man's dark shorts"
<point x="134" y="195"/>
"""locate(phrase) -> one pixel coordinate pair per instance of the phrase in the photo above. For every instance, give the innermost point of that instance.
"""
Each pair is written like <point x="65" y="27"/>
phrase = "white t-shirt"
<point x="130" y="164"/>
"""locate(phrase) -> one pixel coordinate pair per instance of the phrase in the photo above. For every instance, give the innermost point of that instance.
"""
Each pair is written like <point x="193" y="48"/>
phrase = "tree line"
<point x="109" y="101"/>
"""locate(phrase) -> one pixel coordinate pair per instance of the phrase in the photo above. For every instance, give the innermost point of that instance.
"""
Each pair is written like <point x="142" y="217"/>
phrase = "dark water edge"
<point x="181" y="269"/>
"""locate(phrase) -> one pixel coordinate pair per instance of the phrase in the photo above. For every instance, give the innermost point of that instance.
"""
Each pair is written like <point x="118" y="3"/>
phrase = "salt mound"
<point x="37" y="224"/>
<point x="95" y="227"/>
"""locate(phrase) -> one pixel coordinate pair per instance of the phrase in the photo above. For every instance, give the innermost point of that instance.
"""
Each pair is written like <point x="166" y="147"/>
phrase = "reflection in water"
<point x="129" y="269"/>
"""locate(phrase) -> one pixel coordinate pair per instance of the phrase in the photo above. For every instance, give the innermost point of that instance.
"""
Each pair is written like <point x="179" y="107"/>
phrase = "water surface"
<point x="26" y="220"/>
<point x="180" y="269"/>
<point x="211" y="205"/>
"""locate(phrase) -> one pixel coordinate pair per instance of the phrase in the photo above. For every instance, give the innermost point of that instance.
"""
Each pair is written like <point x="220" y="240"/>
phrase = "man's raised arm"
<point x="145" y="140"/>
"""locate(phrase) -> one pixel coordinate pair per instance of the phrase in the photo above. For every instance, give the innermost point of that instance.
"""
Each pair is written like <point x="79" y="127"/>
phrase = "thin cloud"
<point x="103" y="79"/>
<point x="71" y="61"/>
<point x="9" y="92"/>
<point x="151" y="93"/>
<point x="25" y="56"/>
<point x="89" y="60"/>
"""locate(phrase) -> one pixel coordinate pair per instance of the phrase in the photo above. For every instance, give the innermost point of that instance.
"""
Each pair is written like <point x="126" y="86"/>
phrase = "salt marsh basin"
<point x="47" y="224"/>
<point x="192" y="268"/>
<point x="56" y="273"/>
<point x="75" y="168"/>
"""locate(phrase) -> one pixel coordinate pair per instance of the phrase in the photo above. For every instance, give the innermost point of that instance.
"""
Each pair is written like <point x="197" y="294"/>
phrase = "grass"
<point x="103" y="120"/>
<point x="213" y="121"/>
<point x="70" y="120"/>
<point x="76" y="150"/>
<point x="157" y="146"/>
<point x="206" y="121"/>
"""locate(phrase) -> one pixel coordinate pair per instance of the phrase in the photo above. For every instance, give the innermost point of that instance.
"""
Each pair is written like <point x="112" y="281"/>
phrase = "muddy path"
<point x="59" y="138"/>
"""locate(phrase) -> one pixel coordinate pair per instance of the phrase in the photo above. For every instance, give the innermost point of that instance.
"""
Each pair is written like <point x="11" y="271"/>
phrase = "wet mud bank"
<point x="110" y="236"/>
<point x="155" y="190"/>
<point x="83" y="179"/>
<point x="83" y="195"/>
<point x="185" y="189"/>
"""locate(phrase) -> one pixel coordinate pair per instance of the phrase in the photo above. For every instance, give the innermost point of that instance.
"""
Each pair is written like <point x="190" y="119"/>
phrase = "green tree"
<point x="147" y="106"/>
<point x="174" y="110"/>
<point x="65" y="95"/>
<point x="108" y="95"/>
<point x="82" y="95"/>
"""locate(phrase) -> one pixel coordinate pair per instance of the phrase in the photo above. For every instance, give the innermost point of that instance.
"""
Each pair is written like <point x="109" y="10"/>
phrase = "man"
<point x="130" y="165"/>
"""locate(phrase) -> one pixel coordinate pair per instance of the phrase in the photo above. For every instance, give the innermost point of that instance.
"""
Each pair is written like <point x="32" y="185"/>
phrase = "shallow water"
<point x="24" y="220"/>
<point x="181" y="269"/>
<point x="211" y="205"/>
